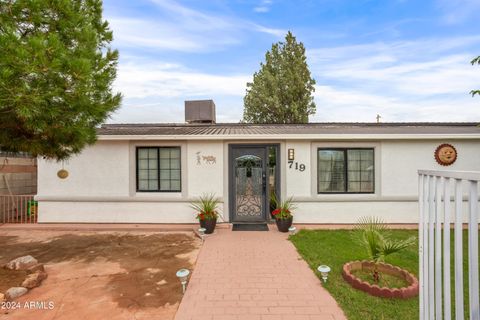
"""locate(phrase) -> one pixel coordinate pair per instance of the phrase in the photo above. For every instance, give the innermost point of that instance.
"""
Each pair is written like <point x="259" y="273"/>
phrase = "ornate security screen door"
<point x="248" y="183"/>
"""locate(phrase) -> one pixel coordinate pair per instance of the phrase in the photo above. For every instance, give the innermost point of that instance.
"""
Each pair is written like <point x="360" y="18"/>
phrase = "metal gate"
<point x="18" y="209"/>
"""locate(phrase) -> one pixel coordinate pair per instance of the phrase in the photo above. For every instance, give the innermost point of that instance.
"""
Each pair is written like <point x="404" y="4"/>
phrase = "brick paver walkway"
<point x="254" y="276"/>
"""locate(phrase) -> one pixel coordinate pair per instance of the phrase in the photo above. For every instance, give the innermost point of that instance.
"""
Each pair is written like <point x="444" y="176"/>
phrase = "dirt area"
<point x="11" y="278"/>
<point x="101" y="275"/>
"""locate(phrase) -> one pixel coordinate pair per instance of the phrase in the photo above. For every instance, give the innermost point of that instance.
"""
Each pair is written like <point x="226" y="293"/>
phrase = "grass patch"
<point x="335" y="247"/>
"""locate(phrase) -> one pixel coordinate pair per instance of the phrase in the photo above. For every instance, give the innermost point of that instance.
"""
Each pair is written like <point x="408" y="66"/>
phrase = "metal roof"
<point x="233" y="129"/>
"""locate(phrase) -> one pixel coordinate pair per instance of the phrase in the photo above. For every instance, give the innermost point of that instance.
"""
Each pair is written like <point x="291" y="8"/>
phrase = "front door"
<point x="248" y="183"/>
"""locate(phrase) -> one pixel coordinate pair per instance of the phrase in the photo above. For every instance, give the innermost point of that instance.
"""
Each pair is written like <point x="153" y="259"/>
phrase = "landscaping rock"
<point x="22" y="263"/>
<point x="34" y="279"/>
<point x="15" y="292"/>
<point x="35" y="268"/>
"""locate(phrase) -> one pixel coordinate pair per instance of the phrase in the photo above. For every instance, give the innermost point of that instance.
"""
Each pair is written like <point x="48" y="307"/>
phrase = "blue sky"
<point x="403" y="59"/>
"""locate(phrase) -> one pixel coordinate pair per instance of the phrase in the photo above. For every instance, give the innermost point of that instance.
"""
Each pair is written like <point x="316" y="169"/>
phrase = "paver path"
<point x="255" y="276"/>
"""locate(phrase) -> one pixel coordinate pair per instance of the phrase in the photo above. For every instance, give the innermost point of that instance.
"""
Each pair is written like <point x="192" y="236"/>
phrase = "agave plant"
<point x="373" y="235"/>
<point x="206" y="207"/>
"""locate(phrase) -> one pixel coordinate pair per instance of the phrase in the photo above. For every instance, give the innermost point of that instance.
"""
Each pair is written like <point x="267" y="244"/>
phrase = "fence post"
<point x="473" y="251"/>
<point x="420" y="243"/>
<point x="459" y="310"/>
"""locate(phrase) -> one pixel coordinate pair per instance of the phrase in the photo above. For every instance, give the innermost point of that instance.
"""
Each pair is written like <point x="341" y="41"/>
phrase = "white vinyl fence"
<point x="441" y="202"/>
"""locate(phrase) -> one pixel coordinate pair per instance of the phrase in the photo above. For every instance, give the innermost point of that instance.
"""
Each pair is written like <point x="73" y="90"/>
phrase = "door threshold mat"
<point x="250" y="227"/>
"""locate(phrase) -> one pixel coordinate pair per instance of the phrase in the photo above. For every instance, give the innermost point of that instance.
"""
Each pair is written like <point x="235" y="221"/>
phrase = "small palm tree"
<point x="373" y="235"/>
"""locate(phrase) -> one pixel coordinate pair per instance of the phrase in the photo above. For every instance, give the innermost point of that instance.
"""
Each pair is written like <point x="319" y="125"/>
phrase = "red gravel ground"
<point x="101" y="275"/>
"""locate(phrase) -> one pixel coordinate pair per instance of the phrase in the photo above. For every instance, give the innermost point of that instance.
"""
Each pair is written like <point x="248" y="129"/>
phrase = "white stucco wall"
<point x="101" y="186"/>
<point x="401" y="161"/>
<point x="396" y="180"/>
<point x="200" y="174"/>
<point x="100" y="170"/>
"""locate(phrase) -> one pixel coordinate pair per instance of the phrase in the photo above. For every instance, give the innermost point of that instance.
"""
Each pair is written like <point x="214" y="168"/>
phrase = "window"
<point x="345" y="170"/>
<point x="158" y="169"/>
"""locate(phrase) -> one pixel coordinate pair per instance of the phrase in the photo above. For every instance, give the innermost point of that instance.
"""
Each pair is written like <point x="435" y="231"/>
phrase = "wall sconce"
<point x="291" y="154"/>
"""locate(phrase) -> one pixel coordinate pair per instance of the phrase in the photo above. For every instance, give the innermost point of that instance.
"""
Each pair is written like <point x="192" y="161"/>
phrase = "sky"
<point x="406" y="60"/>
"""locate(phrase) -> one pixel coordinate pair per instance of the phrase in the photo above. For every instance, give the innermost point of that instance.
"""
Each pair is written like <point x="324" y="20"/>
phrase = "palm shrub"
<point x="373" y="235"/>
<point x="206" y="207"/>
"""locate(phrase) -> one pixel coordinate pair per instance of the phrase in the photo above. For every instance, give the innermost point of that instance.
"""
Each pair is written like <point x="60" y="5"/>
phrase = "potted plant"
<point x="206" y="211"/>
<point x="283" y="214"/>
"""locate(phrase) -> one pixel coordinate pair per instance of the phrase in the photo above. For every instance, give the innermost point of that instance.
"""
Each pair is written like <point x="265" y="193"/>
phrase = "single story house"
<point x="335" y="172"/>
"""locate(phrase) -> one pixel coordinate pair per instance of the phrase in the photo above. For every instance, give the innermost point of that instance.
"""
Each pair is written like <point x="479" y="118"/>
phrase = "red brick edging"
<point x="374" y="290"/>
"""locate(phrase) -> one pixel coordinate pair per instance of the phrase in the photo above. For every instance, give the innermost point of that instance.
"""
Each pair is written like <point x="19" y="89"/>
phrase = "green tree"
<point x="56" y="72"/>
<point x="281" y="91"/>
<point x="475" y="61"/>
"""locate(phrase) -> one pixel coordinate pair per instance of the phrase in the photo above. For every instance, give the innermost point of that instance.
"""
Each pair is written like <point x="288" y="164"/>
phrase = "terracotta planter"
<point x="374" y="290"/>
<point x="209" y="225"/>
<point x="284" y="224"/>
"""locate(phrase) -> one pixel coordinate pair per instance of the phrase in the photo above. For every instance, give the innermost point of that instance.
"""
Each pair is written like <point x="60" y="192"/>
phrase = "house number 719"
<point x="300" y="167"/>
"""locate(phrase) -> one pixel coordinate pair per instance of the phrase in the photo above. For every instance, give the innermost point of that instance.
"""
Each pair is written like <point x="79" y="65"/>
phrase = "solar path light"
<point x="324" y="270"/>
<point x="292" y="230"/>
<point x="182" y="275"/>
<point x="201" y="232"/>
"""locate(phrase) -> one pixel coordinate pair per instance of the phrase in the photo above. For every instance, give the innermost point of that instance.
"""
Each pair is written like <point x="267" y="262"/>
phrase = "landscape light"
<point x="182" y="275"/>
<point x="324" y="270"/>
<point x="201" y="232"/>
<point x="292" y="230"/>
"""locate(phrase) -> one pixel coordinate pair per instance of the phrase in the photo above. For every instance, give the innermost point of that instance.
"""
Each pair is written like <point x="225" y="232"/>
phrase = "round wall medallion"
<point x="62" y="174"/>
<point x="445" y="154"/>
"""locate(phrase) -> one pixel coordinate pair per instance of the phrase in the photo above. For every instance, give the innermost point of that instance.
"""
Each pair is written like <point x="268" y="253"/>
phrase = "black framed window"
<point x="159" y="169"/>
<point x="346" y="170"/>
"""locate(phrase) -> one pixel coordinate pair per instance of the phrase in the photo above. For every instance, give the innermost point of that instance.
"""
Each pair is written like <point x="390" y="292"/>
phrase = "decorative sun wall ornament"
<point x="62" y="173"/>
<point x="445" y="154"/>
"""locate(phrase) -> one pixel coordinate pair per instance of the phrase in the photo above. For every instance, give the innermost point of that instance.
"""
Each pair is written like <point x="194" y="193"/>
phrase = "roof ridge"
<point x="377" y="124"/>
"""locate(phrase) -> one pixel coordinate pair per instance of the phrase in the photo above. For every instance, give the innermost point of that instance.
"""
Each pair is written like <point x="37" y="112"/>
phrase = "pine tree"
<point x="475" y="61"/>
<point x="281" y="92"/>
<point x="56" y="72"/>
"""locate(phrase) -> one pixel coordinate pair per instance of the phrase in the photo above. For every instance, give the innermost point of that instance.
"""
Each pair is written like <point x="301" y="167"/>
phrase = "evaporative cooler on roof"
<point x="200" y="111"/>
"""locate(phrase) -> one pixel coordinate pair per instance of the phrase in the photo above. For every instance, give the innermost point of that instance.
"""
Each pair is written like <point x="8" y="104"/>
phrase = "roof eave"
<point x="423" y="136"/>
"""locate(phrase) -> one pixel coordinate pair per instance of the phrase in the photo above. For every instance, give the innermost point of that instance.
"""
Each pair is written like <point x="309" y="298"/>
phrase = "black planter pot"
<point x="284" y="224"/>
<point x="209" y="225"/>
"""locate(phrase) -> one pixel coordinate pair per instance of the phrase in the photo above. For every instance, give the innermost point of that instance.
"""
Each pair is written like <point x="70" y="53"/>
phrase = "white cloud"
<point x="141" y="79"/>
<point x="181" y="28"/>
<point x="261" y="9"/>
<point x="423" y="80"/>
<point x="349" y="105"/>
<point x="263" y="6"/>
<point x="279" y="33"/>
<point x="457" y="11"/>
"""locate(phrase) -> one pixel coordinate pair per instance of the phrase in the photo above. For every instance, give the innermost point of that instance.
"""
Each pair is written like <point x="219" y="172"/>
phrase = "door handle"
<point x="264" y="183"/>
